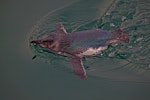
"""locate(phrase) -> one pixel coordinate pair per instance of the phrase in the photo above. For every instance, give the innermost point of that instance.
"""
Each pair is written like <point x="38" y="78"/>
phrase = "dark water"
<point x="120" y="72"/>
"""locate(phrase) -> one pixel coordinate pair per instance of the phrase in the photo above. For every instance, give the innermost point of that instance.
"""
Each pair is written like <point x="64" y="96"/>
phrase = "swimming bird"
<point x="77" y="45"/>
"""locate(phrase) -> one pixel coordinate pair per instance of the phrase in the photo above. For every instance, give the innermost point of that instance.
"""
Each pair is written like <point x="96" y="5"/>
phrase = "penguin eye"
<point x="45" y="41"/>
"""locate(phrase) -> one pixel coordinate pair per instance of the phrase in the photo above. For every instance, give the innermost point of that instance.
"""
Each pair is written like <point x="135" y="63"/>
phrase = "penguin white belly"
<point x="92" y="51"/>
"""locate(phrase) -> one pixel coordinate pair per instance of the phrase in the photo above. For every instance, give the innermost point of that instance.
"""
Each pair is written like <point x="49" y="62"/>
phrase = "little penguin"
<point x="77" y="45"/>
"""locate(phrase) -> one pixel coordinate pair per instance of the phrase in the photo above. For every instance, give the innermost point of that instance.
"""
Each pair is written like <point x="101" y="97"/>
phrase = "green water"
<point x="119" y="73"/>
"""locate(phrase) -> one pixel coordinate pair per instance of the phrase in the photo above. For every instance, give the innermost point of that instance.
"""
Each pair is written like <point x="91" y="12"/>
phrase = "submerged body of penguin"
<point x="76" y="45"/>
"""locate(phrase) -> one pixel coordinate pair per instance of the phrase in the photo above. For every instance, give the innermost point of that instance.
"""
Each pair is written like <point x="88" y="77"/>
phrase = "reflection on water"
<point x="124" y="62"/>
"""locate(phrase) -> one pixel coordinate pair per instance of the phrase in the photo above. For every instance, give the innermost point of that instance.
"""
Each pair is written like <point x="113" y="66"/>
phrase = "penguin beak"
<point x="36" y="41"/>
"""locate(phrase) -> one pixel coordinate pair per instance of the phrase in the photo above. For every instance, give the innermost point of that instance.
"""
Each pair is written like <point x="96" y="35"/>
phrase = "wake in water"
<point x="134" y="16"/>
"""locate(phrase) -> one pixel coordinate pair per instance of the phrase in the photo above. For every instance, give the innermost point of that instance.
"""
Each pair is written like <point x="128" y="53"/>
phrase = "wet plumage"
<point x="79" y="44"/>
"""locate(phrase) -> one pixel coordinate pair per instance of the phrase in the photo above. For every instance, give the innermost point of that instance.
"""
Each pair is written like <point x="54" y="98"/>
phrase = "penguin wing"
<point x="78" y="67"/>
<point x="60" y="28"/>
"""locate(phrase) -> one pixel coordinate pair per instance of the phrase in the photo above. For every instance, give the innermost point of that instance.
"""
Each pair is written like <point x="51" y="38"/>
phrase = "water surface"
<point x="22" y="78"/>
